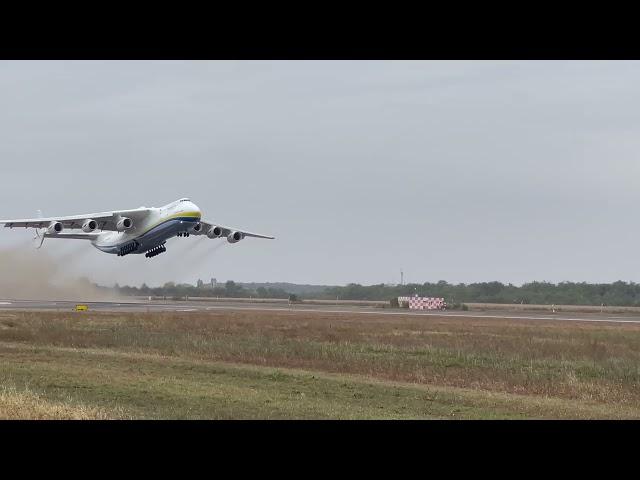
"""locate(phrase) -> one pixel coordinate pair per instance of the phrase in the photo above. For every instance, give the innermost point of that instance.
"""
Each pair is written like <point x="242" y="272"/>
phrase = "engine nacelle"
<point x="89" y="226"/>
<point x="124" y="224"/>
<point x="234" y="237"/>
<point x="214" y="232"/>
<point x="54" y="227"/>
<point x="197" y="228"/>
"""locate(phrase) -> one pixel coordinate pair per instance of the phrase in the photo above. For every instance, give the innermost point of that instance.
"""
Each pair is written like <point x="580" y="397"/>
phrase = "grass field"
<point x="270" y="365"/>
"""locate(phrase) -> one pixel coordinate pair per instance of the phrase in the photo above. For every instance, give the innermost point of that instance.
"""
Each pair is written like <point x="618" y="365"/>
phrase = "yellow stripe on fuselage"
<point x="184" y="214"/>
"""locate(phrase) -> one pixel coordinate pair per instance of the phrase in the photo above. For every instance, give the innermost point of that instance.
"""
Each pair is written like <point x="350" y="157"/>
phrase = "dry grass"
<point x="593" y="367"/>
<point x="28" y="405"/>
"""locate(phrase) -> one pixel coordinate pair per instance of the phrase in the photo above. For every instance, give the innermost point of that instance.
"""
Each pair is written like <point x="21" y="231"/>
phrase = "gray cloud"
<point x="464" y="171"/>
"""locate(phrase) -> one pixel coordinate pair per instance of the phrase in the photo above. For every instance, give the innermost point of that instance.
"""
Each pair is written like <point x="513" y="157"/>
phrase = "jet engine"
<point x="234" y="237"/>
<point x="89" y="226"/>
<point x="214" y="232"/>
<point x="54" y="227"/>
<point x="124" y="224"/>
<point x="197" y="228"/>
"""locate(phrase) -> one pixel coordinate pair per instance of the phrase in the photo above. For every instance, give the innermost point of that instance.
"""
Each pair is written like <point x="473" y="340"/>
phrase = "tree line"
<point x="229" y="289"/>
<point x="565" y="293"/>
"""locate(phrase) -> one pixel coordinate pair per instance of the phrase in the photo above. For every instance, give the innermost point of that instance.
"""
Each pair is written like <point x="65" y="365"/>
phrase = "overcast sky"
<point x="462" y="171"/>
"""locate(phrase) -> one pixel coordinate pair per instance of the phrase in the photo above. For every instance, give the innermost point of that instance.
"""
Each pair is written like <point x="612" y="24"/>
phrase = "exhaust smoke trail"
<point x="183" y="264"/>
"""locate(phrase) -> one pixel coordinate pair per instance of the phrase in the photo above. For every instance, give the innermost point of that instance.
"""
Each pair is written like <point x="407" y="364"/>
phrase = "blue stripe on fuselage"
<point x="155" y="236"/>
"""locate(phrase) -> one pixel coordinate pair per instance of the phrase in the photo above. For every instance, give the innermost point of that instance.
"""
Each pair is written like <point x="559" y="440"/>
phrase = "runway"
<point x="230" y="305"/>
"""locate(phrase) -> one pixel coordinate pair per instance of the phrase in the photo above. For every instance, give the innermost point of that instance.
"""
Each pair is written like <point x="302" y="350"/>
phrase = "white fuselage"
<point x="151" y="229"/>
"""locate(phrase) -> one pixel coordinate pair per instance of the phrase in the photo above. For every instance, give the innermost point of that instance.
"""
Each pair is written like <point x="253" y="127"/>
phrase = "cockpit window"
<point x="177" y="202"/>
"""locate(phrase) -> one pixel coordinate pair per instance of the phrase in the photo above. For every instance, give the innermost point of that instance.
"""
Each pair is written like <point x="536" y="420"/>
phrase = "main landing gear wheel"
<point x="156" y="251"/>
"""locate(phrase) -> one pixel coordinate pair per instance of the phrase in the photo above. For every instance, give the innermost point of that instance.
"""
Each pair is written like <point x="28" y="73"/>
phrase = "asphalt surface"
<point x="204" y="306"/>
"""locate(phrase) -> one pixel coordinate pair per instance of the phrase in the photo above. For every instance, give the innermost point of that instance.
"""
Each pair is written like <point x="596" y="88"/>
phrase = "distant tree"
<point x="565" y="293"/>
<point x="232" y="289"/>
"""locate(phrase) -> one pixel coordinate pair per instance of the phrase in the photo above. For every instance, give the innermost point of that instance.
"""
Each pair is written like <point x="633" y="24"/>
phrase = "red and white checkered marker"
<point x="423" y="303"/>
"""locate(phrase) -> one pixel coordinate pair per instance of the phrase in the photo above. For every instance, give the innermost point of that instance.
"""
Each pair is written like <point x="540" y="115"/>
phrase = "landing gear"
<point x="183" y="234"/>
<point x="156" y="251"/>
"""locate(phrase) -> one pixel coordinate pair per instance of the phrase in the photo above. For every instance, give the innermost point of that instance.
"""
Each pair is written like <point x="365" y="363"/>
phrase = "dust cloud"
<point x="29" y="274"/>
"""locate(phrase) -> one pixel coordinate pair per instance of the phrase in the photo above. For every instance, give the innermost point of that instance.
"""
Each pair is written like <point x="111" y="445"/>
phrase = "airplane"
<point x="141" y="230"/>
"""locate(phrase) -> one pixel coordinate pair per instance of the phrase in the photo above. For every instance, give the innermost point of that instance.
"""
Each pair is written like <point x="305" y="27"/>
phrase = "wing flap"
<point x="76" y="236"/>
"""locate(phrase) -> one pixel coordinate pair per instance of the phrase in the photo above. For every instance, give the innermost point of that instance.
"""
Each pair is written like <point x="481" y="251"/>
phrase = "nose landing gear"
<point x="156" y="251"/>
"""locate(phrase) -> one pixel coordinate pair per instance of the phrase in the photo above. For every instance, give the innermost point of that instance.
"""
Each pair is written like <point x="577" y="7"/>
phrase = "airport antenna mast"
<point x="401" y="277"/>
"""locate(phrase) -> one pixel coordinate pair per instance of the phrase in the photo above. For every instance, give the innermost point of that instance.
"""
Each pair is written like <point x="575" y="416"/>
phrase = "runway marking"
<point x="169" y="307"/>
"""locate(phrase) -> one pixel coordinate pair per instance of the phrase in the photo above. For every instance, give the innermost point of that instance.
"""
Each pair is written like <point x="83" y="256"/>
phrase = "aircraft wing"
<point x="206" y="226"/>
<point x="106" y="220"/>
